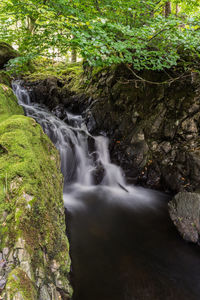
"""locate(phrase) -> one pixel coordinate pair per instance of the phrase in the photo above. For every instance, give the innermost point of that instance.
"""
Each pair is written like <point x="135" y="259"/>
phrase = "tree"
<point x="168" y="9"/>
<point x="177" y="9"/>
<point x="103" y="32"/>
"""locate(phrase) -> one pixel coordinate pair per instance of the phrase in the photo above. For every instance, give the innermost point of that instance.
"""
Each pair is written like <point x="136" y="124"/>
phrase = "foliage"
<point x="104" y="32"/>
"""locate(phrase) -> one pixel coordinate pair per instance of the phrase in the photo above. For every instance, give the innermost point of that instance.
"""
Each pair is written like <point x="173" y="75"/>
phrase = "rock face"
<point x="34" y="251"/>
<point x="153" y="128"/>
<point x="6" y="53"/>
<point x="184" y="210"/>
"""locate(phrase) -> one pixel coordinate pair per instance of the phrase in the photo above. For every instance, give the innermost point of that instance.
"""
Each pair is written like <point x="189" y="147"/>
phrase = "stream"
<point x="123" y="244"/>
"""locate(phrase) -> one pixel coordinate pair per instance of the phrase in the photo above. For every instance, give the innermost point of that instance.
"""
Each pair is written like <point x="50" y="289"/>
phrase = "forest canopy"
<point x="148" y="34"/>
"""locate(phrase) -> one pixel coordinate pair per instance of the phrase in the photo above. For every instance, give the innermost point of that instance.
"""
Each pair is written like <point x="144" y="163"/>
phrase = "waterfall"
<point x="123" y="244"/>
<point x="79" y="164"/>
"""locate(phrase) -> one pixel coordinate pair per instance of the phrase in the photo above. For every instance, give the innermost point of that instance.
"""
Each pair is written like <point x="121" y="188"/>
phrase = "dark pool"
<point x="124" y="247"/>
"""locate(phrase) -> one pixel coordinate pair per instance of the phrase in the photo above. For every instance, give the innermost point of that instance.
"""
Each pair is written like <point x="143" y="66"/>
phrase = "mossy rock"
<point x="20" y="286"/>
<point x="31" y="203"/>
<point x="6" y="53"/>
<point x="5" y="78"/>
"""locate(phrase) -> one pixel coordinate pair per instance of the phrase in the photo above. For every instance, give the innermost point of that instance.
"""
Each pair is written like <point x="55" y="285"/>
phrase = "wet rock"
<point x="91" y="123"/>
<point x="59" y="111"/>
<point x="184" y="211"/>
<point x="46" y="91"/>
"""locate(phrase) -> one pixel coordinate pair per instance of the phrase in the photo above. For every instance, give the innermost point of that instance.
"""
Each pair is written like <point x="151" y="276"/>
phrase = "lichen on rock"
<point x="32" y="224"/>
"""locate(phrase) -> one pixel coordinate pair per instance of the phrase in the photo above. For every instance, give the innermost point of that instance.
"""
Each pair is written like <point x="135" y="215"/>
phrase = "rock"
<point x="20" y="243"/>
<point x="44" y="294"/>
<point x="137" y="137"/>
<point x="31" y="193"/>
<point x="5" y="251"/>
<point x="193" y="161"/>
<point x="6" y="53"/>
<point x="91" y="123"/>
<point x="158" y="121"/>
<point x="184" y="211"/>
<point x="189" y="126"/>
<point x="170" y="130"/>
<point x="2" y="283"/>
<point x="165" y="146"/>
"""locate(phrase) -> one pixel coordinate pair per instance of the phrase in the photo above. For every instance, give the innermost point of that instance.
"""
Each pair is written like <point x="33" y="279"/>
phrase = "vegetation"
<point x="148" y="34"/>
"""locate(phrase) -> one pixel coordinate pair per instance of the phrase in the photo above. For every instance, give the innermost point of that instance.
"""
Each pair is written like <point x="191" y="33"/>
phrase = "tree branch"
<point x="171" y="80"/>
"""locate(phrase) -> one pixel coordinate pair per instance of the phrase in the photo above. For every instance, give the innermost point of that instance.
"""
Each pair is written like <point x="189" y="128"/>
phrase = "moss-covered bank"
<point x="34" y="257"/>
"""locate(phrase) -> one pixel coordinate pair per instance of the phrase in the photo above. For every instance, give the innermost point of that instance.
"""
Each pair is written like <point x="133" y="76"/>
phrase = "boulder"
<point x="184" y="211"/>
<point x="6" y="53"/>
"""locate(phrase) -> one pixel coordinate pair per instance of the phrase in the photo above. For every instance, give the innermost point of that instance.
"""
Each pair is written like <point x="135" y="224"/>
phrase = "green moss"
<point x="28" y="154"/>
<point x="20" y="284"/>
<point x="8" y="103"/>
<point x="98" y="70"/>
<point x="5" y="78"/>
<point x="45" y="68"/>
<point x="31" y="204"/>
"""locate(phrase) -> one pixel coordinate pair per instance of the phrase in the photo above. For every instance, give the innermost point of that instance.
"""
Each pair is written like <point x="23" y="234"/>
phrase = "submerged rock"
<point x="32" y="222"/>
<point x="184" y="211"/>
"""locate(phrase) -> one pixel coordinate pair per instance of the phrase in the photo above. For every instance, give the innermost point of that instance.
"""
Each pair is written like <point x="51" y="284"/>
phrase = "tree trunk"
<point x="168" y="9"/>
<point x="97" y="6"/>
<point x="30" y="24"/>
<point x="74" y="56"/>
<point x="177" y="9"/>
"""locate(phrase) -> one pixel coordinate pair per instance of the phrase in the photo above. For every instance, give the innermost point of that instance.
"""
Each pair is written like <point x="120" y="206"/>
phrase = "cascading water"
<point x="123" y="244"/>
<point x="78" y="165"/>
